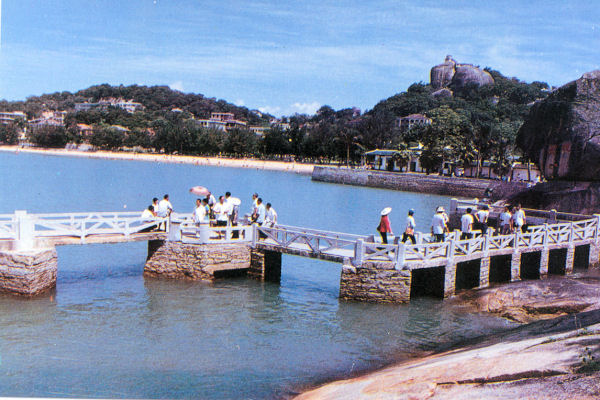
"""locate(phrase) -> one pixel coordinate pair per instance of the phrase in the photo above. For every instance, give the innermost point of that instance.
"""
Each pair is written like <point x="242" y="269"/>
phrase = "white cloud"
<point x="305" y="108"/>
<point x="177" y="86"/>
<point x="239" y="103"/>
<point x="276" y="111"/>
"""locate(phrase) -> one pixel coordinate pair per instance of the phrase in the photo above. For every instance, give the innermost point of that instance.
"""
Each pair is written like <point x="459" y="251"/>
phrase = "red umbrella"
<point x="199" y="191"/>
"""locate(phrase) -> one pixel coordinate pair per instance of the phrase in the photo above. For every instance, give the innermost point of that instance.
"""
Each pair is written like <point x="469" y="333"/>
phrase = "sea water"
<point x="106" y="331"/>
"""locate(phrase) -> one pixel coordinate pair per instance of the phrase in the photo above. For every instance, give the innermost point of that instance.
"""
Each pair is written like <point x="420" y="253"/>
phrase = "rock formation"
<point x="456" y="76"/>
<point x="562" y="132"/>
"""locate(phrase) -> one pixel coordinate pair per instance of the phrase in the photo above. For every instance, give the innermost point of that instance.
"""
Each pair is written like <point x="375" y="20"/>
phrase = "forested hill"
<point x="155" y="99"/>
<point x="468" y="124"/>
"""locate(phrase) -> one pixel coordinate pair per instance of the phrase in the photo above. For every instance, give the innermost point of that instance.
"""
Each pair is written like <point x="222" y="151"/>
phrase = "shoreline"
<point x="267" y="165"/>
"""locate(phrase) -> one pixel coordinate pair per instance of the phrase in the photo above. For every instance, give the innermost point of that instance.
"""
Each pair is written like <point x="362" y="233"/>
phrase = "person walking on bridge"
<point x="466" y="225"/>
<point x="482" y="217"/>
<point x="439" y="226"/>
<point x="384" y="225"/>
<point x="409" y="232"/>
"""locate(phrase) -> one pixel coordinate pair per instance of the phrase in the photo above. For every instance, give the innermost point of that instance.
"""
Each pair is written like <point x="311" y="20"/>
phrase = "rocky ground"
<point x="557" y="357"/>
<point x="528" y="301"/>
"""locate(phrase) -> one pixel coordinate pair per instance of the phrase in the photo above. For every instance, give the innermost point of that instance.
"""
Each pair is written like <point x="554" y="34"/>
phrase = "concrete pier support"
<point x="515" y="267"/>
<point x="28" y="272"/>
<point x="375" y="282"/>
<point x="569" y="262"/>
<point x="484" y="272"/>
<point x="265" y="265"/>
<point x="195" y="261"/>
<point x="544" y="259"/>
<point x="450" y="279"/>
<point x="594" y="260"/>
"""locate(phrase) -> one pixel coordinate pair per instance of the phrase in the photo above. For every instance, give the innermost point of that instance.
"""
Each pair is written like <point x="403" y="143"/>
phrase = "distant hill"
<point x="156" y="100"/>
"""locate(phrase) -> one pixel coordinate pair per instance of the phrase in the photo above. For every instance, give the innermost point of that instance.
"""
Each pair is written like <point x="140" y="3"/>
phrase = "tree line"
<point x="472" y="125"/>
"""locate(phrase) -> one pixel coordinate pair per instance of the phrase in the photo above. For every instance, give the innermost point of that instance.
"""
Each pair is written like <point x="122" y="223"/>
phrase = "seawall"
<point x="415" y="182"/>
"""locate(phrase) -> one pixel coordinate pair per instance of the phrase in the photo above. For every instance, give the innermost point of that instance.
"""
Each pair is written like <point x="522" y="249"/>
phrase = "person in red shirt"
<point x="384" y="225"/>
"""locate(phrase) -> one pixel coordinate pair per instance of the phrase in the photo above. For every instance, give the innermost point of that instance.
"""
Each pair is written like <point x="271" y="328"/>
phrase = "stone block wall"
<point x="484" y="272"/>
<point x="412" y="182"/>
<point x="449" y="279"/>
<point x="571" y="258"/>
<point x="544" y="260"/>
<point x="375" y="282"/>
<point x="28" y="272"/>
<point x="515" y="267"/>
<point x="195" y="261"/>
<point x="265" y="265"/>
<point x="594" y="260"/>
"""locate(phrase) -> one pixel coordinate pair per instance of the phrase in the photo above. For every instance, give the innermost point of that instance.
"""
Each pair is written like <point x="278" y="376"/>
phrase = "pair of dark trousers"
<point x="406" y="236"/>
<point x="383" y="237"/>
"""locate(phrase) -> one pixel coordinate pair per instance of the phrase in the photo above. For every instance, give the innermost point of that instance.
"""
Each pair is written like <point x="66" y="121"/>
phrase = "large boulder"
<point x="441" y="75"/>
<point x="457" y="76"/>
<point x="562" y="132"/>
<point x="469" y="74"/>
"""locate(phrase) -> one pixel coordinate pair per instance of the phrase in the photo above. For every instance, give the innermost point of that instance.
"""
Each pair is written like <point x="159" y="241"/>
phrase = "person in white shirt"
<point x="221" y="212"/>
<point x="260" y="212"/>
<point x="270" y="216"/>
<point x="519" y="218"/>
<point x="253" y="214"/>
<point x="482" y="218"/>
<point x="148" y="216"/>
<point x="199" y="216"/>
<point x="164" y="207"/>
<point x="438" y="225"/>
<point x="505" y="221"/>
<point x="466" y="225"/>
<point x="164" y="210"/>
<point x="409" y="231"/>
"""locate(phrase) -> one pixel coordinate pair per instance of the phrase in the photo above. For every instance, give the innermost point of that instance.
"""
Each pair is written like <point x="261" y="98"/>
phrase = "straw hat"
<point x="386" y="211"/>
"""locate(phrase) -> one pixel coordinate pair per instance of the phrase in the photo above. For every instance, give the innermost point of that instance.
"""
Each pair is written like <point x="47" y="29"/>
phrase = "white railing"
<point x="8" y="226"/>
<point x="25" y="228"/>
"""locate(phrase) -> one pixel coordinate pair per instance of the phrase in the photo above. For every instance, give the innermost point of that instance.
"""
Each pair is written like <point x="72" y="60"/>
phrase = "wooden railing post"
<point x="25" y="230"/>
<point x="597" y="230"/>
<point x="545" y="240"/>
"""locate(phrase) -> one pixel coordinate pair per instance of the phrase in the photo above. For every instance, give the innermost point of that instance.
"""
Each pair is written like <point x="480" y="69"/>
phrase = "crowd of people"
<point x="208" y="211"/>
<point x="509" y="221"/>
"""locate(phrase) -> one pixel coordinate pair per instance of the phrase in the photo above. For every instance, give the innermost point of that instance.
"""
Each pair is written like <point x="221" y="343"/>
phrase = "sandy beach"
<point x="304" y="169"/>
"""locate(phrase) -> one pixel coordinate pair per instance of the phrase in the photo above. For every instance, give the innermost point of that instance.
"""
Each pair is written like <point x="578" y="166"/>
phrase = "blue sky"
<point x="287" y="56"/>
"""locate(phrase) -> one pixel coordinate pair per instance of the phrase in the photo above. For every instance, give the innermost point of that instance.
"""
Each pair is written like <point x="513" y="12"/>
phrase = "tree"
<point x="240" y="142"/>
<point x="107" y="137"/>
<point x="9" y="134"/>
<point x="48" y="136"/>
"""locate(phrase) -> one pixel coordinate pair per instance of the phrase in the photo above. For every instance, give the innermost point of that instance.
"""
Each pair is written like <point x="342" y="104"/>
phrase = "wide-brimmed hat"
<point x="386" y="211"/>
<point x="440" y="209"/>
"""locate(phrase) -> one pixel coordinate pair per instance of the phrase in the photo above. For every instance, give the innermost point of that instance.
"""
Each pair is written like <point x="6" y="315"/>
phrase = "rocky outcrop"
<point x="565" y="196"/>
<point x="544" y="360"/>
<point x="562" y="132"/>
<point x="456" y="76"/>
<point x="528" y="301"/>
<point x="28" y="272"/>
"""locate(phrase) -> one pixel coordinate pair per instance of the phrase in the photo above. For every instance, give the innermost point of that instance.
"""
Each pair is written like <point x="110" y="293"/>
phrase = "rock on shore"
<point x="549" y="359"/>
<point x="553" y="358"/>
<point x="528" y="301"/>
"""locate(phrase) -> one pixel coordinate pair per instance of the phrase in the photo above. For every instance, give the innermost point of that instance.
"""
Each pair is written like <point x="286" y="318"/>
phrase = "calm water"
<point x="108" y="332"/>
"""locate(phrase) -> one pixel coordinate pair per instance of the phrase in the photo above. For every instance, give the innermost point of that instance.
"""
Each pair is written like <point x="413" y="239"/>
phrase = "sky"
<point x="286" y="57"/>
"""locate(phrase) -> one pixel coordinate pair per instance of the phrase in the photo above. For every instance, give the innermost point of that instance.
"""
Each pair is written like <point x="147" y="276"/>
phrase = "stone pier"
<point x="28" y="272"/>
<point x="265" y="265"/>
<point x="179" y="260"/>
<point x="375" y="282"/>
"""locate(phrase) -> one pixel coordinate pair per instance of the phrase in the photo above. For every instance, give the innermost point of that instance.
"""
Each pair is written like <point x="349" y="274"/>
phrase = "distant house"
<point x="388" y="160"/>
<point x="128" y="105"/>
<point x="85" y="129"/>
<point x="221" y="121"/>
<point x="258" y="130"/>
<point x="410" y="121"/>
<point x="49" y="118"/>
<point x="6" y="117"/>
<point x="518" y="172"/>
